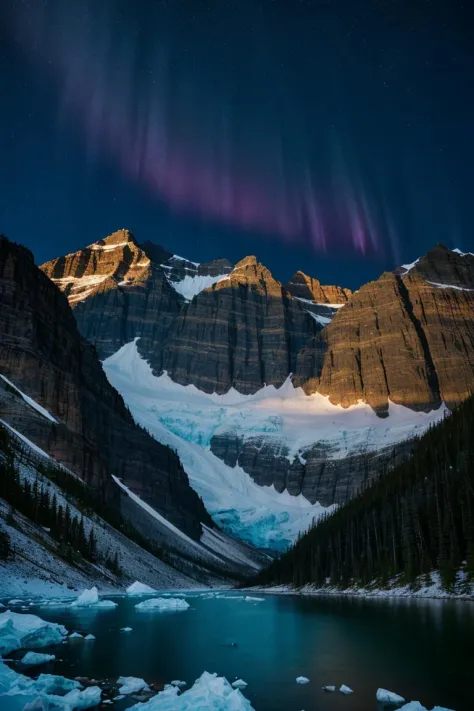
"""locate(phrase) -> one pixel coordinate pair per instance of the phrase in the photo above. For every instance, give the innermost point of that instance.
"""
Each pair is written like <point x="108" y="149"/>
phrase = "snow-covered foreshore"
<point x="434" y="591"/>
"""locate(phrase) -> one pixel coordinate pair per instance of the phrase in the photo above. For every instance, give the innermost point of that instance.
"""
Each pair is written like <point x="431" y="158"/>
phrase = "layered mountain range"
<point x="308" y="389"/>
<point x="355" y="375"/>
<point x="54" y="392"/>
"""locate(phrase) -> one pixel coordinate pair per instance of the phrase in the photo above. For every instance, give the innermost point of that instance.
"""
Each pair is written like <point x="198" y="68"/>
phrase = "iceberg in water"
<point x="139" y="589"/>
<point x="18" y="631"/>
<point x="208" y="692"/>
<point x="345" y="689"/>
<point x="89" y="637"/>
<point x="76" y="635"/>
<point x="389" y="697"/>
<point x="329" y="688"/>
<point x="46" y="692"/>
<point x="34" y="659"/>
<point x="239" y="684"/>
<point x="131" y="685"/>
<point x="302" y="680"/>
<point x="126" y="629"/>
<point x="90" y="598"/>
<point x="162" y="603"/>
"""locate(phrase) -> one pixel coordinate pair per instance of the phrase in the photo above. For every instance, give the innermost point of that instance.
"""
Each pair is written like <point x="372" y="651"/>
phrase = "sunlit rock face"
<point x="375" y="366"/>
<point x="407" y="337"/>
<point x="94" y="435"/>
<point x="243" y="332"/>
<point x="117" y="292"/>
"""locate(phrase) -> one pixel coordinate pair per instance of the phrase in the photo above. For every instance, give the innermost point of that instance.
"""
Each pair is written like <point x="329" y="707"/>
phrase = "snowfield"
<point x="186" y="419"/>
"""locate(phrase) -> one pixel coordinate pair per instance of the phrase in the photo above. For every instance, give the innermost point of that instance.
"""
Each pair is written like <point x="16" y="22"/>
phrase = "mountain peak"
<point x="306" y="287"/>
<point x="249" y="261"/>
<point x="120" y="238"/>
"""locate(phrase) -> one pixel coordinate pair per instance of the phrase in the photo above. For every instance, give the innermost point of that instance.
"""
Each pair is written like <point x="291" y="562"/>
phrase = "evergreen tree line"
<point x="416" y="518"/>
<point x="35" y="502"/>
<point x="93" y="502"/>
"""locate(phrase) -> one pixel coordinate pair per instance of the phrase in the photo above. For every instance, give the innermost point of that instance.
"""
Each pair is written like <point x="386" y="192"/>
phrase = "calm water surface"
<point x="421" y="649"/>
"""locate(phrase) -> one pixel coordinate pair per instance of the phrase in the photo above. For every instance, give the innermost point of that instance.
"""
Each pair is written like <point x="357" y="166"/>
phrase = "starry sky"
<point x="332" y="136"/>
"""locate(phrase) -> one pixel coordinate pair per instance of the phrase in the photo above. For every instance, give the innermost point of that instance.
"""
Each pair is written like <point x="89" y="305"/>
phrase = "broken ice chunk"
<point x="162" y="603"/>
<point x="302" y="680"/>
<point x="34" y="659"/>
<point x="345" y="689"/>
<point x="389" y="697"/>
<point x="239" y="684"/>
<point x="138" y="588"/>
<point x="131" y="684"/>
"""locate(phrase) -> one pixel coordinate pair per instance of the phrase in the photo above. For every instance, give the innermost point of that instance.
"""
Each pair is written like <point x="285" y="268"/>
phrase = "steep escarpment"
<point x="117" y="292"/>
<point x="407" y="337"/>
<point x="243" y="332"/>
<point x="305" y="287"/>
<point x="91" y="432"/>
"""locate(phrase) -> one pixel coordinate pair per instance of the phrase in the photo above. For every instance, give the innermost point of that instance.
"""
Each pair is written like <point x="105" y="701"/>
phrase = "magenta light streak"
<point x="192" y="173"/>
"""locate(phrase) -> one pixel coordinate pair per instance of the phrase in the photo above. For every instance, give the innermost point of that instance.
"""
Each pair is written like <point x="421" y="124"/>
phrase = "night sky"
<point x="334" y="136"/>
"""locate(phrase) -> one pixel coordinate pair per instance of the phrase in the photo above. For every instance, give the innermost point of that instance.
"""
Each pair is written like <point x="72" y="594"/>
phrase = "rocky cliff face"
<point x="407" y="337"/>
<point x="94" y="435"/>
<point x="117" y="292"/>
<point x="305" y="287"/>
<point x="243" y="332"/>
<point x="316" y="475"/>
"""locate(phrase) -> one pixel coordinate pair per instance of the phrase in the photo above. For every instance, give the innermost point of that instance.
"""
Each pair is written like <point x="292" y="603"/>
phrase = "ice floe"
<point x="302" y="680"/>
<point x="162" y="603"/>
<point x="90" y="598"/>
<point x="345" y="689"/>
<point x="126" y="629"/>
<point x="138" y="588"/>
<point x="239" y="684"/>
<point x="89" y="637"/>
<point x="329" y="688"/>
<point x="249" y="598"/>
<point x="208" y="692"/>
<point x="389" y="697"/>
<point x="18" y="631"/>
<point x="131" y="685"/>
<point x="34" y="659"/>
<point x="47" y="692"/>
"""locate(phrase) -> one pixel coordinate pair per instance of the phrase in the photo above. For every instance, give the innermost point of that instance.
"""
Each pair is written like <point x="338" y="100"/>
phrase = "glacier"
<point x="186" y="419"/>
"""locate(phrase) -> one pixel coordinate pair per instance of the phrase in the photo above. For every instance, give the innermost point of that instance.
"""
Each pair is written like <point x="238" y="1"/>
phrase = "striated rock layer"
<point x="243" y="332"/>
<point x="42" y="353"/>
<point x="407" y="337"/>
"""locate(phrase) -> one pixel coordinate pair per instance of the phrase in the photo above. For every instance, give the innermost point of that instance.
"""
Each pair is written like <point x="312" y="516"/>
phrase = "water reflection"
<point x="422" y="649"/>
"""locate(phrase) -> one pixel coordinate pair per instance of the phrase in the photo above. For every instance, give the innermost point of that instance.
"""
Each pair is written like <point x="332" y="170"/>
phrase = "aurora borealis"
<point x="340" y="130"/>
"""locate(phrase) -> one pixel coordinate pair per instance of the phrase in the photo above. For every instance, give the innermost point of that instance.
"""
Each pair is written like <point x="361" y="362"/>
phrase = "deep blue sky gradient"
<point x="369" y="102"/>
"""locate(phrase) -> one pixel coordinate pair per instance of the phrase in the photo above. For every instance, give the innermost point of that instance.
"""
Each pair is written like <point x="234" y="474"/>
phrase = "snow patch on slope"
<point x="259" y="515"/>
<point x="186" y="419"/>
<point x="32" y="403"/>
<point x="190" y="286"/>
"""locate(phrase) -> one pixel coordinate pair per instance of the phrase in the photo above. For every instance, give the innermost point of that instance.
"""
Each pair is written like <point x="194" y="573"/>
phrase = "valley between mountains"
<point x="199" y="418"/>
